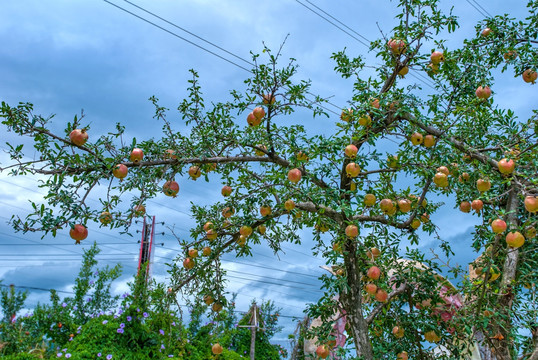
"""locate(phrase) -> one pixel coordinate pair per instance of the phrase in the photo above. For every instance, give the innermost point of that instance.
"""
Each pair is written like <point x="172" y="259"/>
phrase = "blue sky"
<point x="64" y="56"/>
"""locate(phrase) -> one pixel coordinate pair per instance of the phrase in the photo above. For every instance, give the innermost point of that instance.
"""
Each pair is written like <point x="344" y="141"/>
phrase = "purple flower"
<point x="70" y="339"/>
<point x="75" y="308"/>
<point x="162" y="346"/>
<point x="137" y="310"/>
<point x="120" y="311"/>
<point x="98" y="354"/>
<point x="129" y="318"/>
<point x="161" y="331"/>
<point x="105" y="322"/>
<point x="125" y="295"/>
<point x="59" y="355"/>
<point x="64" y="304"/>
<point x="115" y="316"/>
<point x="122" y="325"/>
<point x="145" y="314"/>
<point x="173" y="323"/>
<point x="68" y="355"/>
<point x="170" y="355"/>
<point x="109" y="356"/>
<point x="120" y="331"/>
<point x="89" y="299"/>
<point x="92" y="282"/>
<point x="96" y="273"/>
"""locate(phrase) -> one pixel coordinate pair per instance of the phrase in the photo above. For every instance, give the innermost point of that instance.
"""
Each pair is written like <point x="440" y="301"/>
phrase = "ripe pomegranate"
<point x="78" y="137"/>
<point x="483" y="92"/>
<point x="294" y="175"/>
<point x="301" y="156"/>
<point x="498" y="226"/>
<point x="444" y="170"/>
<point x="386" y="205"/>
<point x="193" y="253"/>
<point x="262" y="229"/>
<point x="346" y="115"/>
<point x="373" y="273"/>
<point x="265" y="210"/>
<point x="323" y="351"/>
<point x="208" y="225"/>
<point x="171" y="188"/>
<point x="515" y="239"/>
<point x="253" y="120"/>
<point x="371" y="288"/>
<point x="211" y="234"/>
<point x="437" y="57"/>
<point x="416" y="138"/>
<point x="208" y="299"/>
<point x="353" y="170"/>
<point x="352" y="231"/>
<point x="269" y="99"/>
<point x="477" y="205"/>
<point x="241" y="240"/>
<point x="398" y="332"/>
<point x="485" y="32"/>
<point x="464" y="177"/>
<point x="429" y="141"/>
<point x="259" y="112"/>
<point x="373" y="253"/>
<point x="228" y="212"/>
<point x="188" y="263"/>
<point x="120" y="171"/>
<point x="381" y="295"/>
<point x="403" y="71"/>
<point x="396" y="46"/>
<point x="195" y="172"/>
<point x="415" y="224"/>
<point x="530" y="76"/>
<point x="402" y="356"/>
<point x="375" y="103"/>
<point x="289" y="205"/>
<point x="483" y="185"/>
<point x="404" y="205"/>
<point x="139" y="210"/>
<point x="365" y="120"/>
<point x="245" y="230"/>
<point x="105" y="218"/>
<point x="78" y="233"/>
<point x="465" y="206"/>
<point x="136" y="155"/>
<point x="440" y="179"/>
<point x="531" y="204"/>
<point x="206" y="251"/>
<point x="392" y="161"/>
<point x="216" y="349"/>
<point x="216" y="307"/>
<point x="351" y="151"/>
<point x="369" y="199"/>
<point x="170" y="154"/>
<point x="226" y="190"/>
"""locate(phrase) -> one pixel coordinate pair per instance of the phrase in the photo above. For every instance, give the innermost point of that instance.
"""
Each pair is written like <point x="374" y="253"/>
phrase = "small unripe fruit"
<point x="195" y="172"/>
<point x="346" y="115"/>
<point x="365" y="120"/>
<point x="188" y="263"/>
<point x="437" y="57"/>
<point x="245" y="230"/>
<point x="404" y="205"/>
<point x="398" y="332"/>
<point x="386" y="205"/>
<point x="262" y="229"/>
<point x="226" y="190"/>
<point x="193" y="253"/>
<point x="216" y="349"/>
<point x="265" y="210"/>
<point x="289" y="205"/>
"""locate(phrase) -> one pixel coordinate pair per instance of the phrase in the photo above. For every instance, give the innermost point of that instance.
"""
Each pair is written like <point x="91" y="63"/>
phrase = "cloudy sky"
<point x="64" y="56"/>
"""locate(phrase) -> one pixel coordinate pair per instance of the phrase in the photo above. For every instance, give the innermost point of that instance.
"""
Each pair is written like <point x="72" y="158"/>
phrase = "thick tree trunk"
<point x="352" y="303"/>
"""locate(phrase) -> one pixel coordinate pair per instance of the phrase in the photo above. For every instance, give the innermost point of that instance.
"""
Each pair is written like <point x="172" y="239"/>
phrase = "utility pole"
<point x="146" y="246"/>
<point x="254" y="325"/>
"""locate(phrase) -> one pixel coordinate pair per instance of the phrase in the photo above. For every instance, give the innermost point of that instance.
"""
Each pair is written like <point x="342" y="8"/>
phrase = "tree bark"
<point x="352" y="304"/>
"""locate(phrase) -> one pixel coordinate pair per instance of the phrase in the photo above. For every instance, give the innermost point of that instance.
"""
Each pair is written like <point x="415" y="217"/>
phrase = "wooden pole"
<point x="254" y="326"/>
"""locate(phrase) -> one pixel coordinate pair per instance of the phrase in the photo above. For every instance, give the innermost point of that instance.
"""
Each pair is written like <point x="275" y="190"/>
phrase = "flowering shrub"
<point x="93" y="325"/>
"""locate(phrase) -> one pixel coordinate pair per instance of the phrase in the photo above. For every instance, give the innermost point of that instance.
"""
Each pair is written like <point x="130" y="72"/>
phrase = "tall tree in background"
<point x="362" y="202"/>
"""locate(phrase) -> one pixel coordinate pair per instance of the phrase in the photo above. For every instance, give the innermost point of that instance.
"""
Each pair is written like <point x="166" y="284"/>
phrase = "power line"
<point x="335" y="19"/>
<point x="198" y="46"/>
<point x="477" y="9"/>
